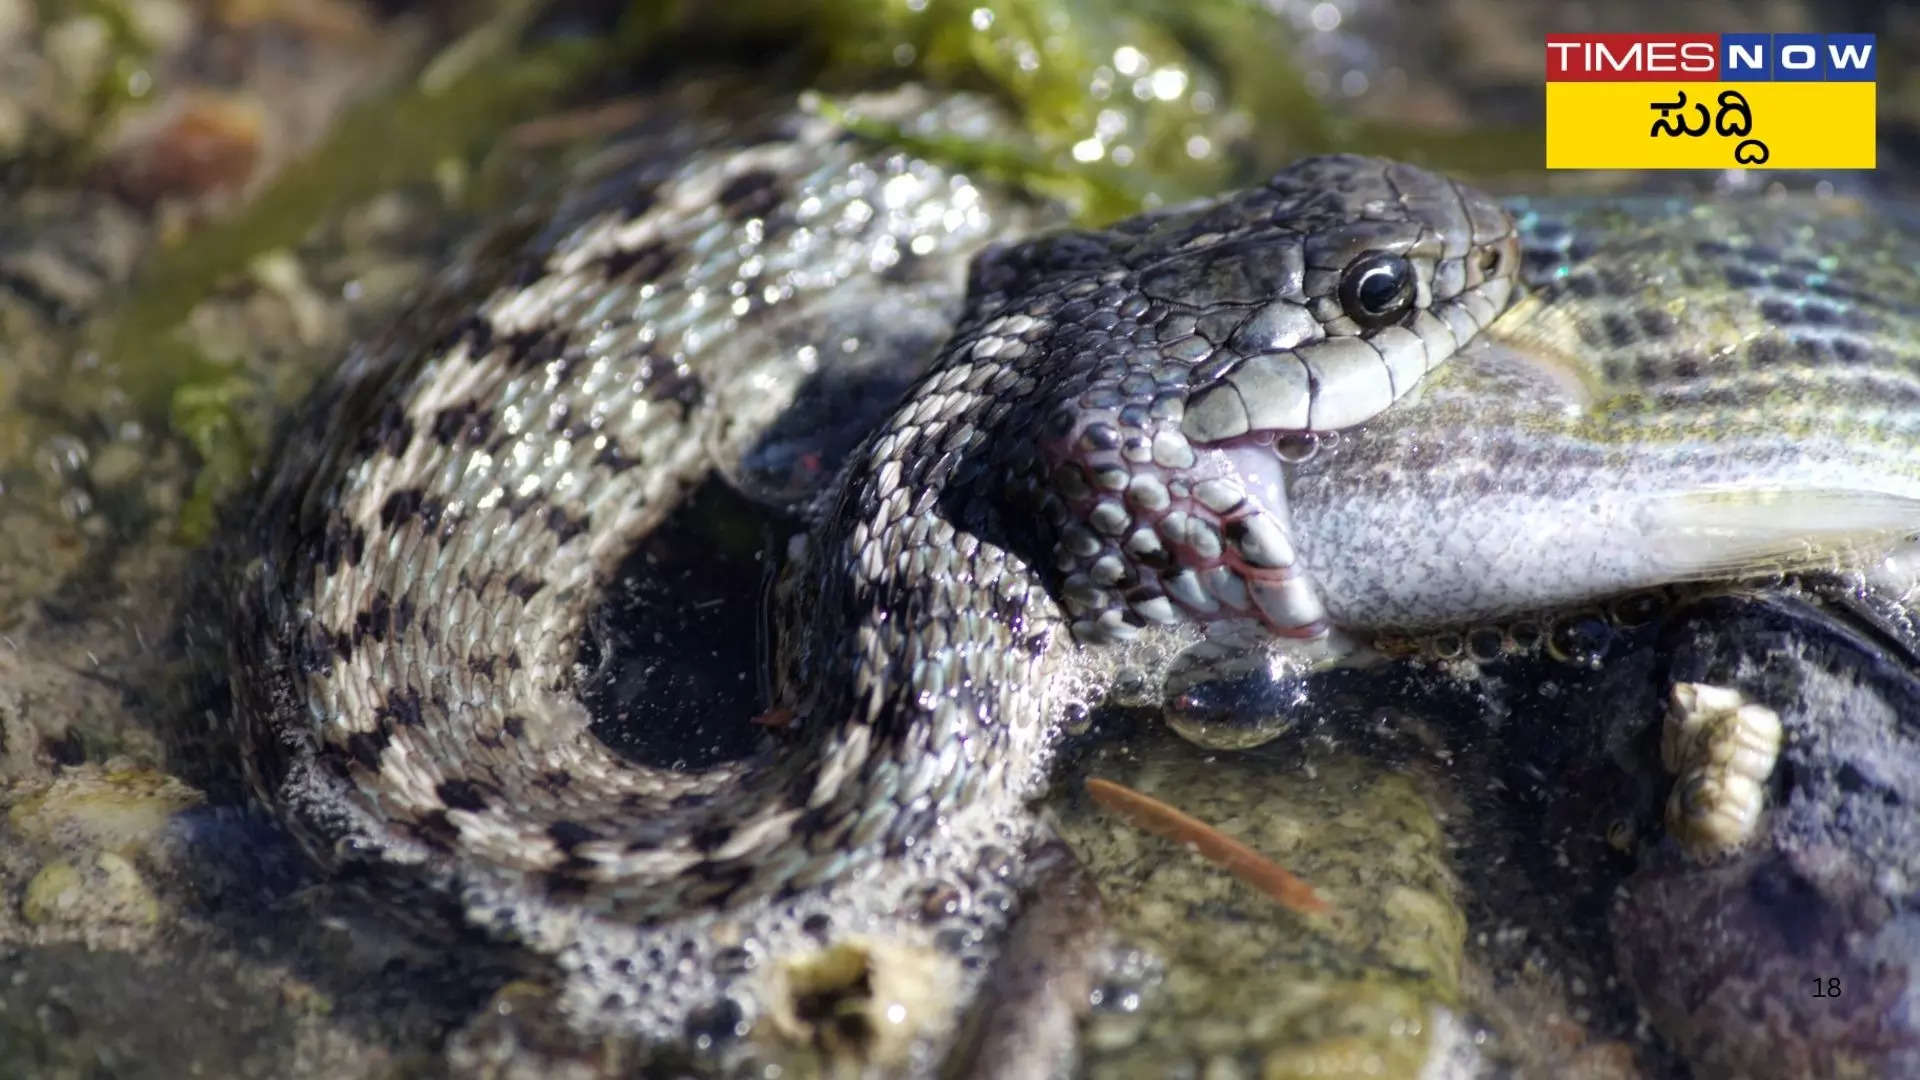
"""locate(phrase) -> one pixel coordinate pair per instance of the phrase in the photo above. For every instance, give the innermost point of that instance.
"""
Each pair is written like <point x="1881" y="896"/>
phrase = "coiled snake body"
<point x="1097" y="457"/>
<point x="1089" y="455"/>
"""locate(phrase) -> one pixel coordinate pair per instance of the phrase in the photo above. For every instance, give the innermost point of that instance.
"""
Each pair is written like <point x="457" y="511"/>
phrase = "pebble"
<point x="103" y="889"/>
<point x="89" y="808"/>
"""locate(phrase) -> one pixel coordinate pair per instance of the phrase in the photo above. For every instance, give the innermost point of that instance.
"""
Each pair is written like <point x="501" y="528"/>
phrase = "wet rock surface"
<point x="1215" y="978"/>
<point x="1796" y="956"/>
<point x="135" y="914"/>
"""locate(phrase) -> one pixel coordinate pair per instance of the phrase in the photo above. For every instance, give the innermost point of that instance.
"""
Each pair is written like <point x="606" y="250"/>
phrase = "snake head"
<point x="1367" y="275"/>
<point x="1211" y="335"/>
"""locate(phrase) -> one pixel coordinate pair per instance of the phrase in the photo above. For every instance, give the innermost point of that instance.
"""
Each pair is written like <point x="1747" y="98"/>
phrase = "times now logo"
<point x="1710" y="57"/>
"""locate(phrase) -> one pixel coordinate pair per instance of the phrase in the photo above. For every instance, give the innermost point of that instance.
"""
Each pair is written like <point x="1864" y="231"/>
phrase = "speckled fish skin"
<point x="436" y="528"/>
<point x="1689" y="391"/>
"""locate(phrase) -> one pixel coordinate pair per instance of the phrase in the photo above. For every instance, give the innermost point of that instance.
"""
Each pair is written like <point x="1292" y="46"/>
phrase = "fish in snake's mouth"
<point x="1169" y="487"/>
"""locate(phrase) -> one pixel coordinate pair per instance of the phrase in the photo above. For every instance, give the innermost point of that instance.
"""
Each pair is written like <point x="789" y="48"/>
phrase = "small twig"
<point x="1233" y="856"/>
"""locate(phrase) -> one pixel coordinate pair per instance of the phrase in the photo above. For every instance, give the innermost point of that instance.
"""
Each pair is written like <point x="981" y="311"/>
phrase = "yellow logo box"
<point x="1702" y="125"/>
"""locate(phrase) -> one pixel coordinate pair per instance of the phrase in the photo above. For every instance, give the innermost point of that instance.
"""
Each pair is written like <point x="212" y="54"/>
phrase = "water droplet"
<point x="1224" y="698"/>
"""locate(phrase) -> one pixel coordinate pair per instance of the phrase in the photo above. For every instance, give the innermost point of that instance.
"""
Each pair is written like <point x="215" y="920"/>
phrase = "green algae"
<point x="1092" y="194"/>
<point x="1126" y="104"/>
<point x="122" y="79"/>
<point x="206" y="412"/>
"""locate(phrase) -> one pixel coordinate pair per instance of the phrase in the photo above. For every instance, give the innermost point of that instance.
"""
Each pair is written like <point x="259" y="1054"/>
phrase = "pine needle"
<point x="1236" y="858"/>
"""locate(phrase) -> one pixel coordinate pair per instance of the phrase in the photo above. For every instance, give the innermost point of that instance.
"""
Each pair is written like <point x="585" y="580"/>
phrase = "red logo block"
<point x="1633" y="57"/>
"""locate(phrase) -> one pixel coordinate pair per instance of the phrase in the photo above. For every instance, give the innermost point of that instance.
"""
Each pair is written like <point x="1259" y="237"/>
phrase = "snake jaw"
<point x="1283" y="311"/>
<point x="1152" y="532"/>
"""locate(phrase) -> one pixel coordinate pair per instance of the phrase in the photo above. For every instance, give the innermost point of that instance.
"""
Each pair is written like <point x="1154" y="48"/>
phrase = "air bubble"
<point x="1114" y="998"/>
<point x="942" y="902"/>
<point x="721" y="1022"/>
<point x="996" y="862"/>
<point x="1637" y="609"/>
<point x="1581" y="640"/>
<point x="733" y="960"/>
<point x="1525" y="635"/>
<point x="953" y="940"/>
<point x="1295" y="447"/>
<point x="1485" y="644"/>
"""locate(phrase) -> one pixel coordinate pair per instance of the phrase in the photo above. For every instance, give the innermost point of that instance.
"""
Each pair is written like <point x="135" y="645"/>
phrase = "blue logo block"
<point x="1850" y="57"/>
<point x="1799" y="58"/>
<point x="1746" y="57"/>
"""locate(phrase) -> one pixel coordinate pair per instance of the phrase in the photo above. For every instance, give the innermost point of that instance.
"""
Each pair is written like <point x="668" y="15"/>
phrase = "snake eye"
<point x="1376" y="289"/>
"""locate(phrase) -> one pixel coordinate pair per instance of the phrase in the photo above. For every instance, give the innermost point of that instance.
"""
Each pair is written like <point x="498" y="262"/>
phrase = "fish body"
<point x="1687" y="390"/>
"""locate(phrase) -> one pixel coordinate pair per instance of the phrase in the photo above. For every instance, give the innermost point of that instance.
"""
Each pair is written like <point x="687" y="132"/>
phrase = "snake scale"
<point x="1089" y="458"/>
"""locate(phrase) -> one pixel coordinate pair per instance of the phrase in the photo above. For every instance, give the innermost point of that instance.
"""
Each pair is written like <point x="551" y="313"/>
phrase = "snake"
<point x="1100" y="453"/>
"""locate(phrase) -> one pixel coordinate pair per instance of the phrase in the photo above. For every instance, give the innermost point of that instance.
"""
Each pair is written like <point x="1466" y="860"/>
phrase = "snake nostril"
<point x="1490" y="261"/>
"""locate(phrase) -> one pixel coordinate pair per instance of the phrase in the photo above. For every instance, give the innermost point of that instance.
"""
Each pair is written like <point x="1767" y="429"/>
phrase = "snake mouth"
<point x="1243" y="498"/>
<point x="1162" y="532"/>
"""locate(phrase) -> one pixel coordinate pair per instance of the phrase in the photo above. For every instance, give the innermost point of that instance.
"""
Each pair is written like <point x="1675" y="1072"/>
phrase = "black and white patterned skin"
<point x="441" y="520"/>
